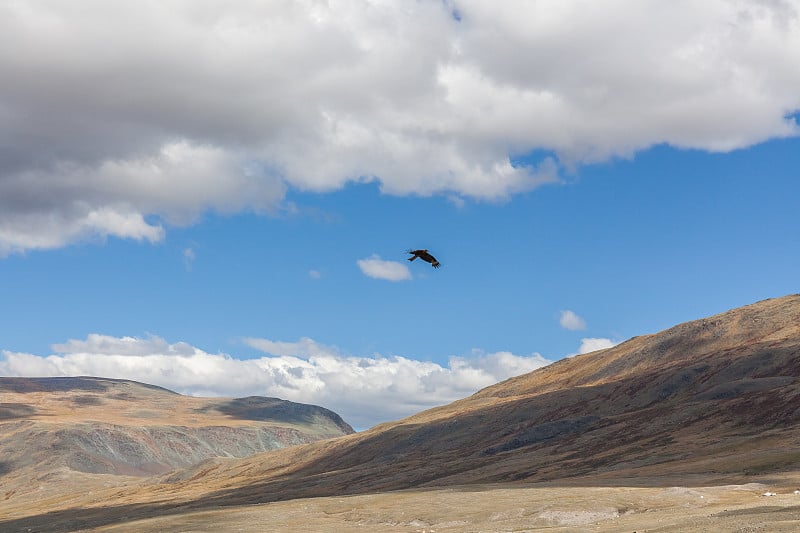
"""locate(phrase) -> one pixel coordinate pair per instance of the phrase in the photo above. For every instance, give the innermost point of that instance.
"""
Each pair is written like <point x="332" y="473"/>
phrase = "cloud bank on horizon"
<point x="364" y="390"/>
<point x="123" y="119"/>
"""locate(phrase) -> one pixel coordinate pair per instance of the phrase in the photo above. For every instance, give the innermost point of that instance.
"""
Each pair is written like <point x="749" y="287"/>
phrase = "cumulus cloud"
<point x="364" y="390"/>
<point x="43" y="208"/>
<point x="593" y="344"/>
<point x="120" y="119"/>
<point x="189" y="255"/>
<point x="569" y="320"/>
<point x="378" y="268"/>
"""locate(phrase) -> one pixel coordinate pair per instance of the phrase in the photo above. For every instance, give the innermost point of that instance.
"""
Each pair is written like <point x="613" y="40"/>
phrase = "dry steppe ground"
<point x="490" y="508"/>
<point x="504" y="508"/>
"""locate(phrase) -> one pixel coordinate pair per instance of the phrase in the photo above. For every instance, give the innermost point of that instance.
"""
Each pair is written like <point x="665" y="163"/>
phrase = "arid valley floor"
<point x="480" y="508"/>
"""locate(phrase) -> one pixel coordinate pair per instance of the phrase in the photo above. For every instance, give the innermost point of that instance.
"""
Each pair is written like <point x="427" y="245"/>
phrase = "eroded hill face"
<point x="105" y="426"/>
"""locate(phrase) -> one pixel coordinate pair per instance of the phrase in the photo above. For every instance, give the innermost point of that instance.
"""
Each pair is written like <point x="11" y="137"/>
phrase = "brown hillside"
<point x="719" y="395"/>
<point x="56" y="429"/>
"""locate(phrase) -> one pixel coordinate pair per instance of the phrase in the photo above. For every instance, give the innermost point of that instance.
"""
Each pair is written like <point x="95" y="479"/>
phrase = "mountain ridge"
<point x="123" y="427"/>
<point x="729" y="381"/>
<point x="642" y="348"/>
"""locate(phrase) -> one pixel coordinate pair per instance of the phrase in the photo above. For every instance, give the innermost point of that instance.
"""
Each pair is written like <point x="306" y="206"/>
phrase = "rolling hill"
<point x="716" y="397"/>
<point x="54" y="430"/>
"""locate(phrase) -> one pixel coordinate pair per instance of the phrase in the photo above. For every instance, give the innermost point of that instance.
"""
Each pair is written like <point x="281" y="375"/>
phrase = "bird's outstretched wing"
<point x="425" y="256"/>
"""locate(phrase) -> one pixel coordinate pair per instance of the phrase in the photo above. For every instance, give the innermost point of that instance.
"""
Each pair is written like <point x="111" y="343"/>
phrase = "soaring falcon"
<point x="425" y="256"/>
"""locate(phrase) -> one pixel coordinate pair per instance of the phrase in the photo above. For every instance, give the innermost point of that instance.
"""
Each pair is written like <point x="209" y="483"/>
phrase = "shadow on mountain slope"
<point x="274" y="409"/>
<point x="12" y="410"/>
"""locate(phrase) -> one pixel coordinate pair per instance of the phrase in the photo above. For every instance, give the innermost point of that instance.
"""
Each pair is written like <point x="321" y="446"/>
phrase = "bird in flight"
<point x="425" y="256"/>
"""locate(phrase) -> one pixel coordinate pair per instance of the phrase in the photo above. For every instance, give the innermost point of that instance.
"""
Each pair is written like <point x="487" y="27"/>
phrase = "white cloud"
<point x="314" y="274"/>
<point x="378" y="268"/>
<point x="593" y="344"/>
<point x="189" y="255"/>
<point x="96" y="344"/>
<point x="364" y="390"/>
<point x="498" y="364"/>
<point x="570" y="320"/>
<point x="305" y="347"/>
<point x="48" y="208"/>
<point x="106" y="129"/>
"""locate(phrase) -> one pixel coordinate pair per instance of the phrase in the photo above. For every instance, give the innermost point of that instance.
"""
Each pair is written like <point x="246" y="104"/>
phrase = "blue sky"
<point x="193" y="215"/>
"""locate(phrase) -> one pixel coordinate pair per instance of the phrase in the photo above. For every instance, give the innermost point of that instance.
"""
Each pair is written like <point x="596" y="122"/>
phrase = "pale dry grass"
<point x="505" y="508"/>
